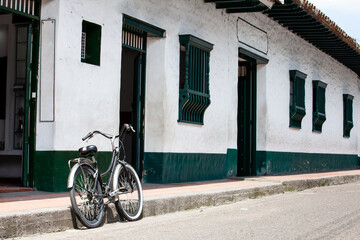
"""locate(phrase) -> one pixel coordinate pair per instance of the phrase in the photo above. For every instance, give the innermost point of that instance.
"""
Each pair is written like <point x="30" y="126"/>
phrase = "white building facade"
<point x="211" y="93"/>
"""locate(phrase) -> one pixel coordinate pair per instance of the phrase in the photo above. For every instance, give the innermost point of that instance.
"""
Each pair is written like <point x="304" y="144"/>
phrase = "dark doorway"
<point x="131" y="103"/>
<point x="246" y="117"/>
<point x="15" y="59"/>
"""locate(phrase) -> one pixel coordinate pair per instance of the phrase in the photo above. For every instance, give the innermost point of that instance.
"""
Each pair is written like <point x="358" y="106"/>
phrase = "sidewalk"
<point x="31" y="212"/>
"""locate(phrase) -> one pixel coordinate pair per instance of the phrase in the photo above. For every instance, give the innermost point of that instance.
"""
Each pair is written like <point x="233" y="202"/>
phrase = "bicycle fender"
<point x="70" y="181"/>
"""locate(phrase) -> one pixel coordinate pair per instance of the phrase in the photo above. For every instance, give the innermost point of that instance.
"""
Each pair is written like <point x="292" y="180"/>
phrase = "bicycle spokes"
<point x="88" y="204"/>
<point x="129" y="199"/>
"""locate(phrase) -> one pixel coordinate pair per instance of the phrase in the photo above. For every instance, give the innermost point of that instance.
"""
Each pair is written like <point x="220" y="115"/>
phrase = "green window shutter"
<point x="194" y="94"/>
<point x="90" y="43"/>
<point x="300" y="92"/>
<point x="319" y="115"/>
<point x="297" y="98"/>
<point x="348" y="114"/>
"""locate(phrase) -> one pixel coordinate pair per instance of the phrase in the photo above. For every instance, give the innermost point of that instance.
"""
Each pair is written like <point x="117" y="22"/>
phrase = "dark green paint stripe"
<point x="51" y="169"/>
<point x="272" y="163"/>
<point x="183" y="167"/>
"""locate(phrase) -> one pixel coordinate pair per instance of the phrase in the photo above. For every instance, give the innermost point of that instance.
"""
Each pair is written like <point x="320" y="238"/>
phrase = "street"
<point x="319" y="213"/>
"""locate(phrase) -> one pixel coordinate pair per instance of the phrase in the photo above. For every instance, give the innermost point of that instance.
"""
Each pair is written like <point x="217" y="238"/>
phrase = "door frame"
<point x="247" y="163"/>
<point x="140" y="96"/>
<point x="147" y="30"/>
<point x="31" y="105"/>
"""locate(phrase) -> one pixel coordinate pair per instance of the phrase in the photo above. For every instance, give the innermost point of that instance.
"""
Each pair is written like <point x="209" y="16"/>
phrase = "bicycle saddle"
<point x="88" y="150"/>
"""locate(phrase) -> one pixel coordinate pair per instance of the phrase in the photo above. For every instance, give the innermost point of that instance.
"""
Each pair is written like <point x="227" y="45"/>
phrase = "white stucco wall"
<point x="87" y="96"/>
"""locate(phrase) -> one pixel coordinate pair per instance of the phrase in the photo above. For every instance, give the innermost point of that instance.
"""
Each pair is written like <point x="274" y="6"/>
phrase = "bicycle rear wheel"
<point x="86" y="202"/>
<point x="130" y="197"/>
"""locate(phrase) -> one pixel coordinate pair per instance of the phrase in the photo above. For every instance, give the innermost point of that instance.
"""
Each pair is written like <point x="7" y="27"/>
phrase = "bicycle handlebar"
<point x="126" y="127"/>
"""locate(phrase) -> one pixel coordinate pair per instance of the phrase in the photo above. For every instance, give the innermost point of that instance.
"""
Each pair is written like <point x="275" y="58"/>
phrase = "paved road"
<point x="320" y="213"/>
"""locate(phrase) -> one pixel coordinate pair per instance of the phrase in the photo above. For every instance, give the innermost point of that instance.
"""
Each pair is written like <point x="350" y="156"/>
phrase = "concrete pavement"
<point x="29" y="213"/>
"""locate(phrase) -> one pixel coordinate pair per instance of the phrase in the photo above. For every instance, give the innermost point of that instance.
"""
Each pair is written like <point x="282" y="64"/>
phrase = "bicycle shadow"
<point x="110" y="216"/>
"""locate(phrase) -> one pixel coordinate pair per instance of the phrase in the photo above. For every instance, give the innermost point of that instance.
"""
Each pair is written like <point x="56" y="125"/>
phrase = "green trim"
<point x="297" y="100"/>
<point x="319" y="113"/>
<point x="348" y="114"/>
<point x="51" y="169"/>
<point x="196" y="42"/>
<point x="271" y="163"/>
<point x="184" y="167"/>
<point x="151" y="30"/>
<point x="257" y="58"/>
<point x="35" y="17"/>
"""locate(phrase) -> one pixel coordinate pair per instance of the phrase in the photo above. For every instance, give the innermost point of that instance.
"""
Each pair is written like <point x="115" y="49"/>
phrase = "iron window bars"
<point x="194" y="94"/>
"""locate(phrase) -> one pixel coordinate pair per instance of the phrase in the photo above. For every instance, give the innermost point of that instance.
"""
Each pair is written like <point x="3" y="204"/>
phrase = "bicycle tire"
<point x="88" y="208"/>
<point x="129" y="203"/>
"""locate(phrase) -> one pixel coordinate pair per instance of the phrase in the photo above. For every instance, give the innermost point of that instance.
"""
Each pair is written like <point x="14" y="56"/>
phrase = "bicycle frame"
<point x="93" y="164"/>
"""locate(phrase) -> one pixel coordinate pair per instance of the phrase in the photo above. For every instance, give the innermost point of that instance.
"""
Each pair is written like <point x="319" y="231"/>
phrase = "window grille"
<point x="297" y="98"/>
<point x="348" y="114"/>
<point x="83" y="45"/>
<point x="133" y="38"/>
<point x="25" y="6"/>
<point x="319" y="115"/>
<point x="194" y="95"/>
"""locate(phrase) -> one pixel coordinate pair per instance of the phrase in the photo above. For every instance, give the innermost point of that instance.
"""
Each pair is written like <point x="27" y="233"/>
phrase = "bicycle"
<point x="87" y="189"/>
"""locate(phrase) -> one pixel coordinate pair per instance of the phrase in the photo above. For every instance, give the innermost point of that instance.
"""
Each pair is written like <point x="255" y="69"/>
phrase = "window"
<point x="348" y="114"/>
<point x="90" y="43"/>
<point x="194" y="95"/>
<point x="297" y="98"/>
<point x="319" y="115"/>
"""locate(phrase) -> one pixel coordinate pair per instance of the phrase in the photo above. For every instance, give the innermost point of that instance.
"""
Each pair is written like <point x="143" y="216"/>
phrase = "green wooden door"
<point x="27" y="107"/>
<point x="138" y="110"/>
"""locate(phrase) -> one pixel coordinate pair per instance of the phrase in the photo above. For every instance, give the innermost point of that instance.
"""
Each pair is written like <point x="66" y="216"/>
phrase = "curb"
<point x="164" y="205"/>
<point x="300" y="185"/>
<point x="60" y="219"/>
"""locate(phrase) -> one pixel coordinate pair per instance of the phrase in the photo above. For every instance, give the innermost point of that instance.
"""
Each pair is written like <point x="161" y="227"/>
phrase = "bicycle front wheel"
<point x="130" y="197"/>
<point x="86" y="201"/>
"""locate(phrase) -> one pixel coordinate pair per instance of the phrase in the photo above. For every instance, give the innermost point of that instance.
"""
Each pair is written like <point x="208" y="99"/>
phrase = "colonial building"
<point x="213" y="88"/>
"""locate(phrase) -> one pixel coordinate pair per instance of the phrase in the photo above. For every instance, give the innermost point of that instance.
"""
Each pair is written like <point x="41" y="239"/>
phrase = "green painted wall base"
<point x="187" y="167"/>
<point x="51" y="169"/>
<point x="273" y="163"/>
<point x="232" y="159"/>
